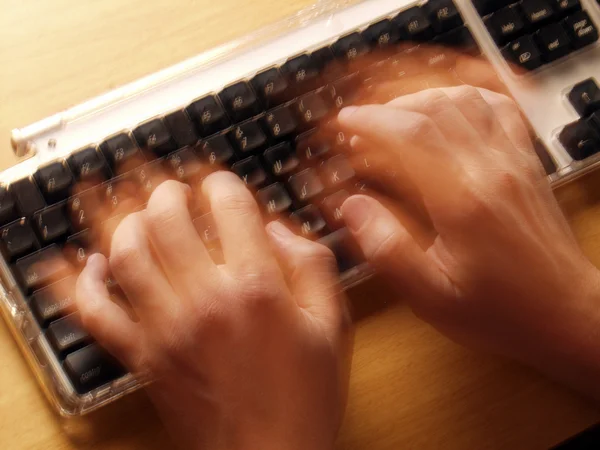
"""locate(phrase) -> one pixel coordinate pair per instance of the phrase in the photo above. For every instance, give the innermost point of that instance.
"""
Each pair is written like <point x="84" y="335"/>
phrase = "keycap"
<point x="248" y="136"/>
<point x="308" y="220"/>
<point x="563" y="7"/>
<point x="78" y="248"/>
<point x="544" y="156"/>
<point x="41" y="268"/>
<point x="205" y="225"/>
<point x="553" y="42"/>
<point x="537" y="11"/>
<point x="240" y="101"/>
<point x="345" y="91"/>
<point x="84" y="208"/>
<point x="67" y="334"/>
<point x="381" y="35"/>
<point x="580" y="139"/>
<point x="8" y="208"/>
<point x="311" y="108"/>
<point x="87" y="164"/>
<point x="216" y="150"/>
<point x="209" y="115"/>
<point x="484" y="7"/>
<point x="185" y="165"/>
<point x="332" y="208"/>
<point x="281" y="159"/>
<point x="91" y="367"/>
<point x="250" y="171"/>
<point x="505" y="24"/>
<point x="306" y="184"/>
<point x="311" y="145"/>
<point x="413" y="25"/>
<point x="350" y="48"/>
<point x="27" y="196"/>
<point x="181" y="127"/>
<point x="337" y="170"/>
<point x="55" y="181"/>
<point x="271" y="86"/>
<point x="122" y="153"/>
<point x="585" y="97"/>
<point x="347" y="253"/>
<point x="149" y="176"/>
<point x="581" y="29"/>
<point x="51" y="223"/>
<point x="154" y="136"/>
<point x="300" y="73"/>
<point x="459" y="39"/>
<point x="274" y="198"/>
<point x="523" y="53"/>
<point x="326" y="65"/>
<point x="443" y="15"/>
<point x="280" y="122"/>
<point x="54" y="301"/>
<point x="17" y="239"/>
<point x="121" y="195"/>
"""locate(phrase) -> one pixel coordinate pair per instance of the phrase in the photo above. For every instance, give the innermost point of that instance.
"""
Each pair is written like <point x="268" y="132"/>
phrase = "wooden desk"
<point x="411" y="388"/>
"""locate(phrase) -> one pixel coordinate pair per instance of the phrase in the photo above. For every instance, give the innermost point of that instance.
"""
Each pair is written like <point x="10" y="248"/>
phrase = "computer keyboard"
<point x="263" y="107"/>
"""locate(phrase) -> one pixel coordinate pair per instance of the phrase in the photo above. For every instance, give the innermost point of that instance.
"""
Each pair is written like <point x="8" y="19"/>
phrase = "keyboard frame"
<point x="58" y="136"/>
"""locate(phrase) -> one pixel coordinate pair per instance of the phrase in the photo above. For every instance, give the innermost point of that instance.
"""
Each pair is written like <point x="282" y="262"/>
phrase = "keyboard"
<point x="263" y="107"/>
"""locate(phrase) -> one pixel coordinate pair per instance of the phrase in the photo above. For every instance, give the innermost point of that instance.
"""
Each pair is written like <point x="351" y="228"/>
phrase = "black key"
<point x="505" y="24"/>
<point x="205" y="225"/>
<point x="154" y="136"/>
<point x="209" y="115"/>
<point x="312" y="107"/>
<point x="55" y="181"/>
<point x="27" y="196"/>
<point x="306" y="184"/>
<point x="484" y="7"/>
<point x="350" y="48"/>
<point x="41" y="268"/>
<point x="83" y="209"/>
<point x="250" y="171"/>
<point x="280" y="122"/>
<point x="337" y="170"/>
<point x="78" y="248"/>
<point x="413" y="25"/>
<point x="544" y="156"/>
<point x="88" y="164"/>
<point x="443" y="15"/>
<point x="344" y="247"/>
<point x="585" y="97"/>
<point x="122" y="153"/>
<point x="51" y="223"/>
<point x="459" y="39"/>
<point x="301" y="74"/>
<point x="345" y="91"/>
<point x="581" y="29"/>
<point x="580" y="139"/>
<point x="311" y="145"/>
<point x="17" y="239"/>
<point x="216" y="150"/>
<point x="326" y="64"/>
<point x="563" y="7"/>
<point x="332" y="208"/>
<point x="523" y="53"/>
<point x="240" y="101"/>
<point x="553" y="42"/>
<point x="309" y="220"/>
<point x="149" y="176"/>
<point x="185" y="165"/>
<point x="248" y="136"/>
<point x="381" y="35"/>
<point x="91" y="367"/>
<point x="8" y="207"/>
<point x="281" y="159"/>
<point x="181" y="127"/>
<point x="274" y="198"/>
<point x="537" y="12"/>
<point x="54" y="301"/>
<point x="67" y="334"/>
<point x="271" y="86"/>
<point x="121" y="195"/>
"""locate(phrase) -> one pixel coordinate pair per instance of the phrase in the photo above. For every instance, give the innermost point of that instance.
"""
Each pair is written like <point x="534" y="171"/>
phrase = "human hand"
<point x="503" y="272"/>
<point x="244" y="355"/>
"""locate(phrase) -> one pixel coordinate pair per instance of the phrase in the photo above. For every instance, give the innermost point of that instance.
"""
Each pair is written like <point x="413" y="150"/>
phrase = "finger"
<point x="239" y="223"/>
<point x="387" y="245"/>
<point x="314" y="276"/>
<point x="174" y="238"/>
<point x="106" y="321"/>
<point x="478" y="72"/>
<point x="137" y="272"/>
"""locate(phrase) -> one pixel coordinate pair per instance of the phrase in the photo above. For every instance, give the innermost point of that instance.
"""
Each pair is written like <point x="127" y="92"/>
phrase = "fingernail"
<point x="347" y="112"/>
<point x="278" y="229"/>
<point x="354" y="141"/>
<point x="356" y="211"/>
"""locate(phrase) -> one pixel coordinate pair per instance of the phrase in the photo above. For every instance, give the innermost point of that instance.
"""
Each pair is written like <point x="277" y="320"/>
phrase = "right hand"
<point x="504" y="272"/>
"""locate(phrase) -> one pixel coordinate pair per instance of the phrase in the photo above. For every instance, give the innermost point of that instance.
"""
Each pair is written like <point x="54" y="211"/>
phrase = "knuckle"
<point x="421" y="126"/>
<point x="163" y="210"/>
<point x="388" y="247"/>
<point x="125" y="257"/>
<point x="258" y="294"/>
<point x="433" y="98"/>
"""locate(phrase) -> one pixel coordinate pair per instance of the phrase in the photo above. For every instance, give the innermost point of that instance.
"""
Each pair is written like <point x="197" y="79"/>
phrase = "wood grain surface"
<point x="411" y="388"/>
